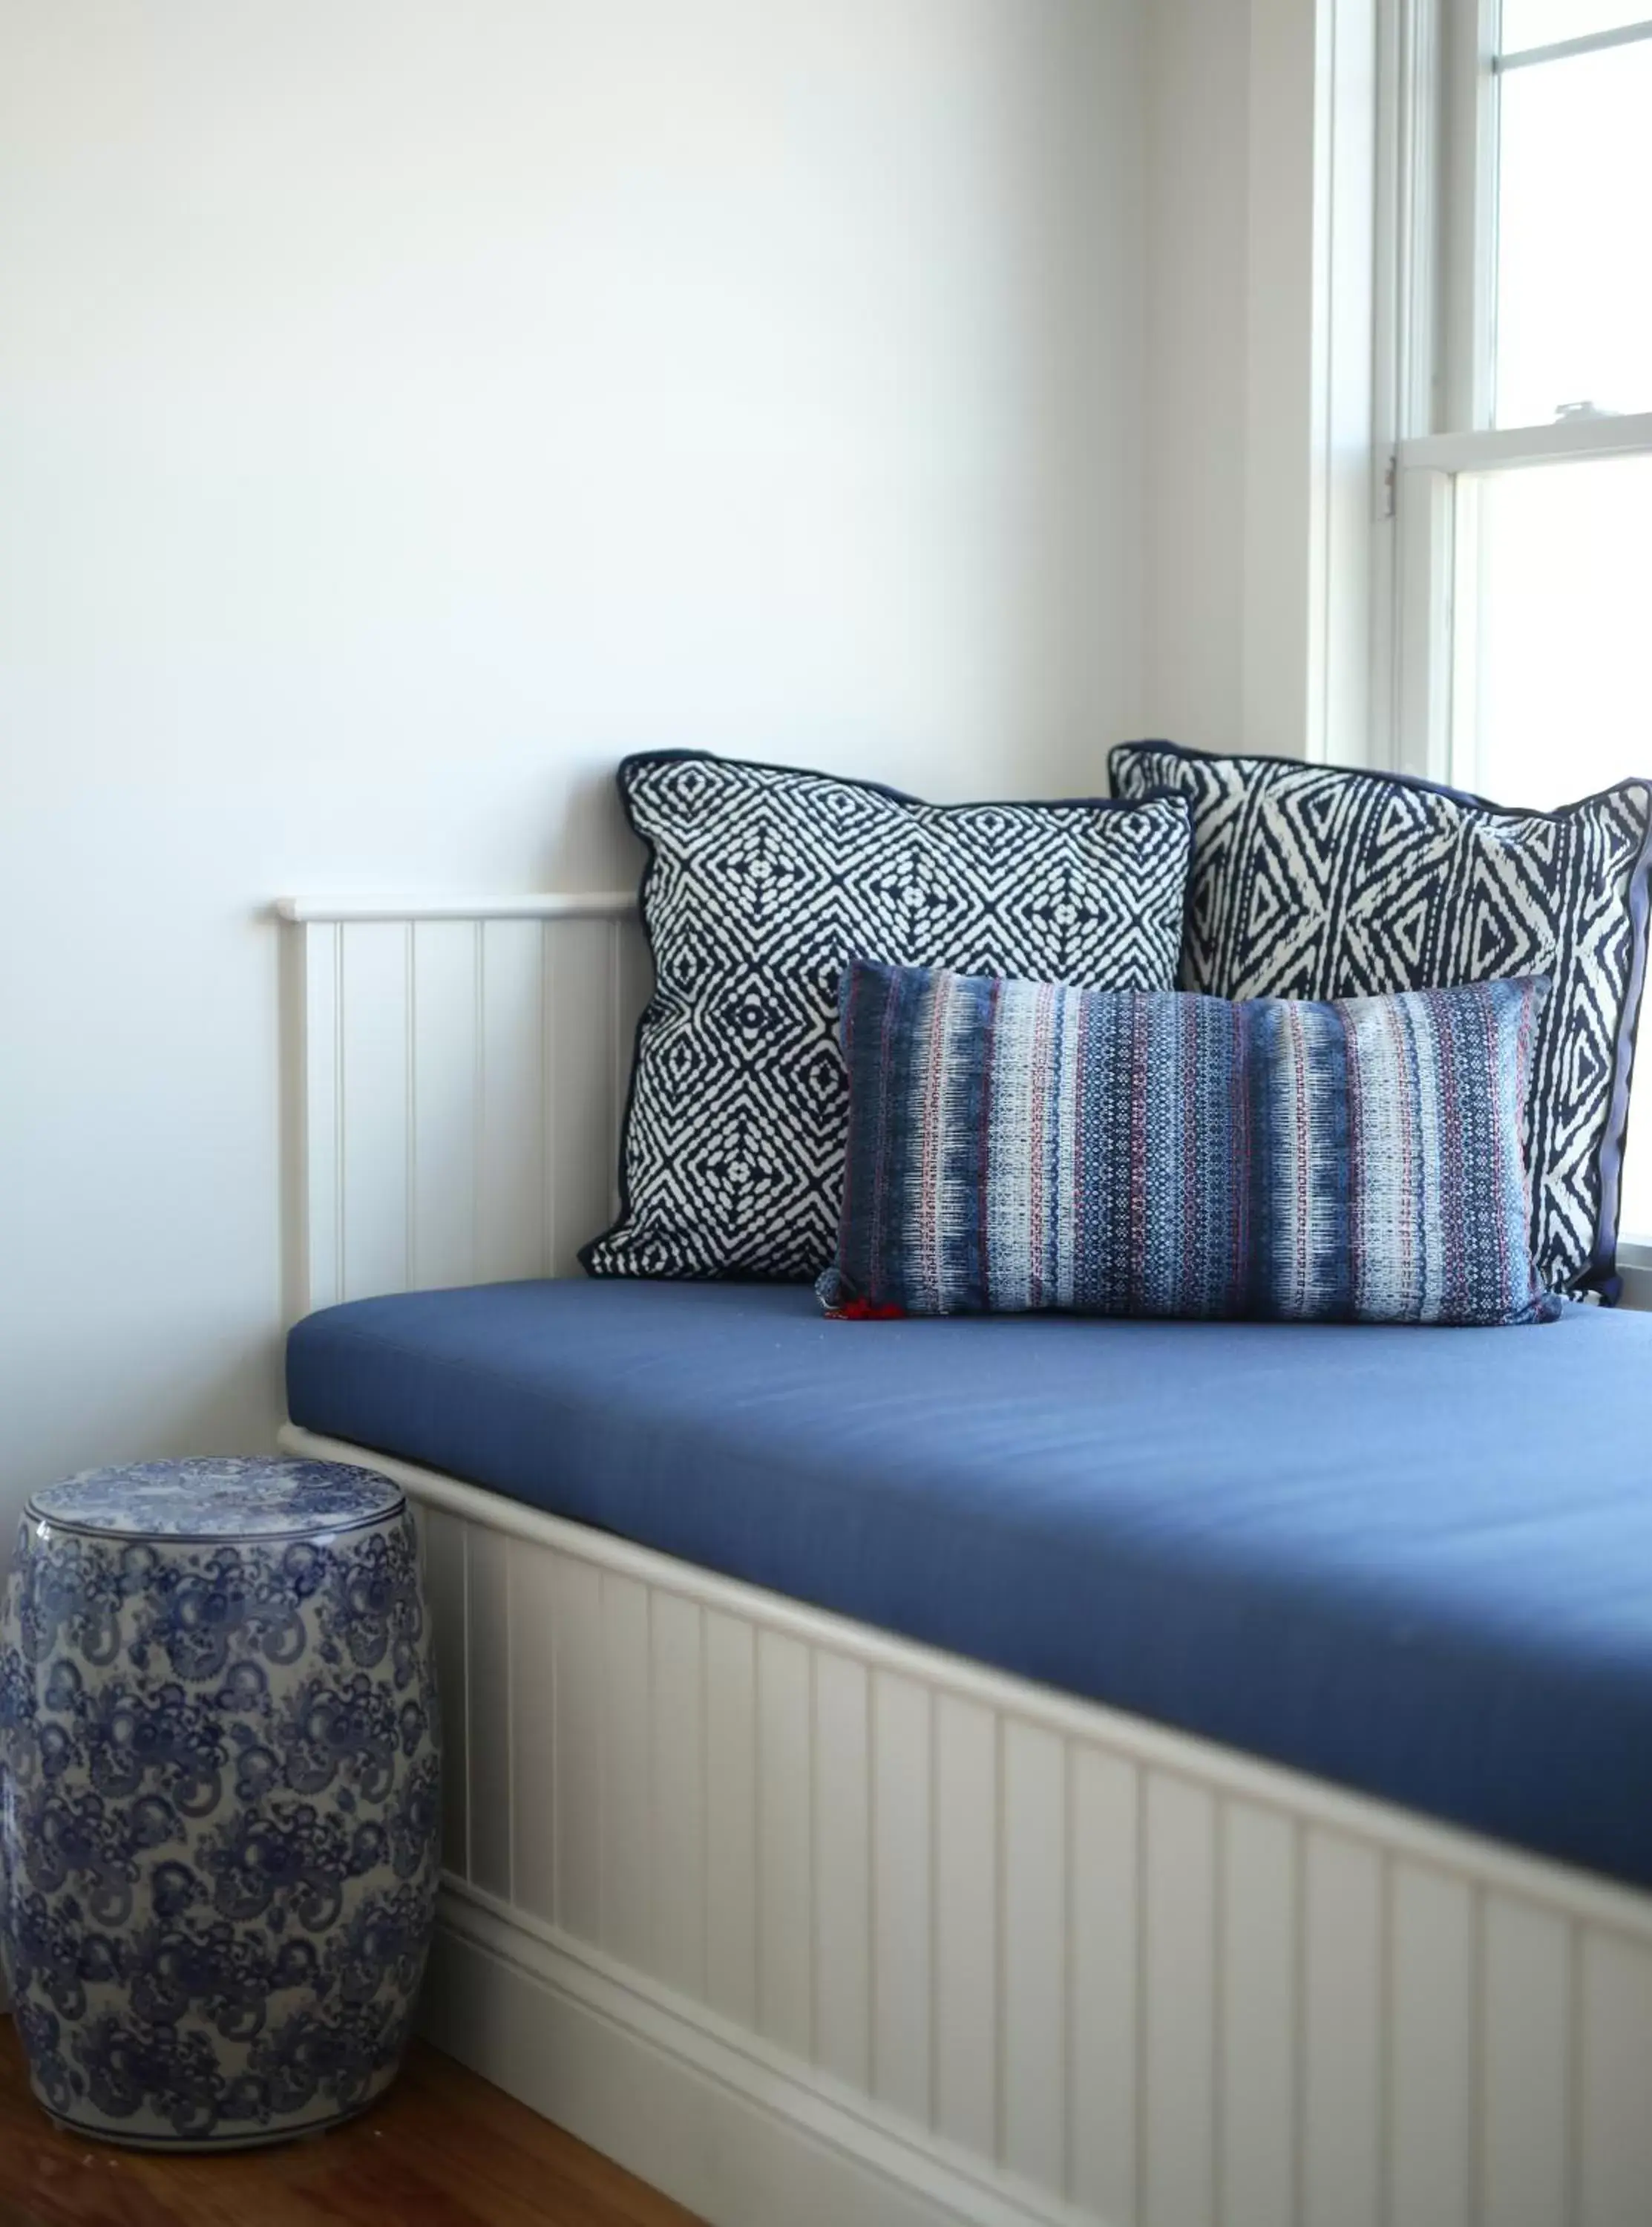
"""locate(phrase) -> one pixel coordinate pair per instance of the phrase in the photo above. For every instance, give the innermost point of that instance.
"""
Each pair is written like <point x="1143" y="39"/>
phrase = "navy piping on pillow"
<point x="650" y="862"/>
<point x="1600" y="1278"/>
<point x="1363" y="773"/>
<point x="1604" y="1265"/>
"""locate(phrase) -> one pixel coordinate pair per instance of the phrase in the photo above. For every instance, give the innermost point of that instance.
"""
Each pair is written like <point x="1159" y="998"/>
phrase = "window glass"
<point x="1560" y="670"/>
<point x="1564" y="664"/>
<point x="1546" y="23"/>
<point x="1574" y="234"/>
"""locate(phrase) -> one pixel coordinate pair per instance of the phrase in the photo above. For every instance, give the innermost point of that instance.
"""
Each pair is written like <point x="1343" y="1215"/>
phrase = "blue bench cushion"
<point x="1415" y="1561"/>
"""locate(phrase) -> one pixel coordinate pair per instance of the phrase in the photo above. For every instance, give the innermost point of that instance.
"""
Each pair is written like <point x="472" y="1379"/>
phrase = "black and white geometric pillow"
<point x="1322" y="881"/>
<point x="761" y="882"/>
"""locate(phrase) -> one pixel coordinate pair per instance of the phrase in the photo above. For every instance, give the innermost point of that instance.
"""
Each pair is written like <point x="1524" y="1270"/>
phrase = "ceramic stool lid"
<point x="229" y="1498"/>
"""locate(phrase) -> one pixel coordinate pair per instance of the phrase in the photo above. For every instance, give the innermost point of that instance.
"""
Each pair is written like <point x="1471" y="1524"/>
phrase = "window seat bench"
<point x="1416" y="1562"/>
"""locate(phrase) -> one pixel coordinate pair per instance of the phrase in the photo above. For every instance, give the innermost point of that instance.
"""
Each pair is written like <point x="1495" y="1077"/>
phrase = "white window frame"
<point x="1437" y="277"/>
<point x="1433" y="402"/>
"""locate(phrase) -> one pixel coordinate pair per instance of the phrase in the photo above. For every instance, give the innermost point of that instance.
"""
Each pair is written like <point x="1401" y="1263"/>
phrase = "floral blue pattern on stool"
<point x="218" y="1797"/>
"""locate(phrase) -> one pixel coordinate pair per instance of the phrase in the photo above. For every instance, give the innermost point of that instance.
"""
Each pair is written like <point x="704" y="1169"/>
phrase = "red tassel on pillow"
<point x="866" y="1311"/>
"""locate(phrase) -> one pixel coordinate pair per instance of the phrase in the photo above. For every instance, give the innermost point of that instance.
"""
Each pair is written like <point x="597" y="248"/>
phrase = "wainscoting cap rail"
<point x="587" y="904"/>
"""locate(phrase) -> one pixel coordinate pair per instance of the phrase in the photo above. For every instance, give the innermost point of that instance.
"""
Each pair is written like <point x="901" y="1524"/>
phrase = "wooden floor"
<point x="443" y="2149"/>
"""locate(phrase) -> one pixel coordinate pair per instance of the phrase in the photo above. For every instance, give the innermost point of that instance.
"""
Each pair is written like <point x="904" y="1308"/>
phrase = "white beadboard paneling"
<point x="631" y="978"/>
<point x="531" y="1573"/>
<point x="732" y="1816"/>
<point x="785" y="1834"/>
<point x="843" y="1915"/>
<point x="1259" y="2070"/>
<point x="446" y="1592"/>
<point x="487" y="1725"/>
<point x="582" y="1107"/>
<point x="1341" y="2018"/>
<point x="677" y="1838"/>
<point x="1179" y="1956"/>
<point x="1614" y="2081"/>
<point x="375" y="1110"/>
<point x="578" y="1745"/>
<point x="1526" y="2017"/>
<point x="322" y="1215"/>
<point x="628" y="1822"/>
<point x="965" y="1939"/>
<point x="464" y="1072"/>
<point x="901" y="1911"/>
<point x="1432" y="2105"/>
<point x="1034" y="1953"/>
<point x="443" y="985"/>
<point x="1103" y="1892"/>
<point x="1076" y="1959"/>
<point x="510" y="1090"/>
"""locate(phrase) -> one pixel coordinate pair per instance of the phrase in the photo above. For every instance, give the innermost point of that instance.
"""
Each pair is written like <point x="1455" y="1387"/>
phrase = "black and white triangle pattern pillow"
<point x="1325" y="882"/>
<point x="761" y="882"/>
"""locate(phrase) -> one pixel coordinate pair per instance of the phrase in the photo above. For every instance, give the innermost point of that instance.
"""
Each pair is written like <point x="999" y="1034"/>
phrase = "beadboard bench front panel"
<point x="1017" y="1955"/>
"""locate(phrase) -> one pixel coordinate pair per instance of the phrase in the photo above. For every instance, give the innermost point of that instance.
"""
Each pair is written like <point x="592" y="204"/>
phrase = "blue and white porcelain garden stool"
<point x="218" y="1797"/>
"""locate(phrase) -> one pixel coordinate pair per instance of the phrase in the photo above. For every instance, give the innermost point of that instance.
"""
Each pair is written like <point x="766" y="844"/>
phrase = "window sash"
<point x="1563" y="50"/>
<point x="1464" y="185"/>
<point x="1451" y="156"/>
<point x="1568" y="440"/>
<point x="1431" y="652"/>
<point x="1436" y="324"/>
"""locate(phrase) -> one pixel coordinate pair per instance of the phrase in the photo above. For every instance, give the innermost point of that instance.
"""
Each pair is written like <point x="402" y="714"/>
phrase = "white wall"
<point x="407" y="407"/>
<point x="1197" y="249"/>
<point x="1259" y="239"/>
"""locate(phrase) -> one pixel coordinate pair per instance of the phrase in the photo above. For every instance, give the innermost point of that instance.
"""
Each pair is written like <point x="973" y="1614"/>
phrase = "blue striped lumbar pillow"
<point x="1026" y="1145"/>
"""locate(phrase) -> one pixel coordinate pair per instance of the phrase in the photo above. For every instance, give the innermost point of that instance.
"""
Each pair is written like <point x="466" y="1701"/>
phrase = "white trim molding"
<point x="755" y="2142"/>
<point x="806" y="1923"/>
<point x="595" y="905"/>
<point x="1567" y="441"/>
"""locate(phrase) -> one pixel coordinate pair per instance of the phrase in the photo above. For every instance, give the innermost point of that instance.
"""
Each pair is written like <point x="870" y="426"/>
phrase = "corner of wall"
<point x="1260" y="163"/>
